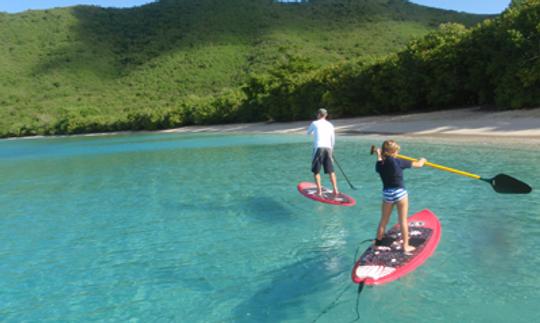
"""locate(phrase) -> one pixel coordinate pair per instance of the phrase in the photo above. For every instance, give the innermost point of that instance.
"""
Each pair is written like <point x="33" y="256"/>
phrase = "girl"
<point x="390" y="168"/>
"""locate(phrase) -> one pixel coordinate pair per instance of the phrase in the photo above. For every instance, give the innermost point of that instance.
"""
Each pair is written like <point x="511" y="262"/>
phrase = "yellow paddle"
<point x="501" y="183"/>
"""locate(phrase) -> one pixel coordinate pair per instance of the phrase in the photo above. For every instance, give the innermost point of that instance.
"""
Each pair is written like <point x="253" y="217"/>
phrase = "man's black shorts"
<point x="322" y="157"/>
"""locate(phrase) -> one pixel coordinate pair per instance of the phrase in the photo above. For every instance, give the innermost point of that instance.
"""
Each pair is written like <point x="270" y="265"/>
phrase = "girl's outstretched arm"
<point x="419" y="163"/>
<point x="379" y="156"/>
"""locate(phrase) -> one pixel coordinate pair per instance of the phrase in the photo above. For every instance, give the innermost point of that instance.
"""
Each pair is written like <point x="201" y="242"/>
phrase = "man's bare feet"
<point x="408" y="249"/>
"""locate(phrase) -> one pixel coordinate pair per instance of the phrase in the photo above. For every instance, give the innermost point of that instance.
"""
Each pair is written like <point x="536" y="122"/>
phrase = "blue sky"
<point x="473" y="6"/>
<point x="14" y="6"/>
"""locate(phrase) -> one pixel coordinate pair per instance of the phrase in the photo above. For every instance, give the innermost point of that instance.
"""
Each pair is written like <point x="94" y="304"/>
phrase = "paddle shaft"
<point x="501" y="183"/>
<point x="448" y="169"/>
<point x="341" y="169"/>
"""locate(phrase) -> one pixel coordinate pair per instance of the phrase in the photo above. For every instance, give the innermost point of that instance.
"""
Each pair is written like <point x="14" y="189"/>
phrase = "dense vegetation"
<point x="177" y="62"/>
<point x="495" y="63"/>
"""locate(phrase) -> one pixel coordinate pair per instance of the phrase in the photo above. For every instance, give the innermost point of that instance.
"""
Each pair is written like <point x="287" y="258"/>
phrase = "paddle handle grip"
<point x="448" y="169"/>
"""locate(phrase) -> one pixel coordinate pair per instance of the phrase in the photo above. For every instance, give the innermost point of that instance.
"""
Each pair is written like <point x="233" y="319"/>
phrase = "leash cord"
<point x="360" y="287"/>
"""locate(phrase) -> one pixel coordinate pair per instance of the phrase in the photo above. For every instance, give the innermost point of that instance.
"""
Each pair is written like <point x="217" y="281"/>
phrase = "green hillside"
<point x="495" y="63"/>
<point x="88" y="68"/>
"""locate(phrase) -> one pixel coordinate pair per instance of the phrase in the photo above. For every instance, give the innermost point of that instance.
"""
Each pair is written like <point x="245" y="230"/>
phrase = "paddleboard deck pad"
<point x="383" y="264"/>
<point x="309" y="190"/>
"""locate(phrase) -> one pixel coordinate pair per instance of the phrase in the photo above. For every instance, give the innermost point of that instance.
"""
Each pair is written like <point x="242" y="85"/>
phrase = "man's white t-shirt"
<point x="324" y="134"/>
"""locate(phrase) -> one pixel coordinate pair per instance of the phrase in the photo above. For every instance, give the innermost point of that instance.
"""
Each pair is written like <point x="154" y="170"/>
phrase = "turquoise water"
<point x="210" y="228"/>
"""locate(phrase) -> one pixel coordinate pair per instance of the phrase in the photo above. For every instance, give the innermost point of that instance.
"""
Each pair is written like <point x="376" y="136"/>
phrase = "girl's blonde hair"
<point x="389" y="147"/>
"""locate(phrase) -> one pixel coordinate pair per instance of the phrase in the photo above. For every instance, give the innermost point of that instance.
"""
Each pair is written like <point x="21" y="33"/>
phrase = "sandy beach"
<point x="468" y="125"/>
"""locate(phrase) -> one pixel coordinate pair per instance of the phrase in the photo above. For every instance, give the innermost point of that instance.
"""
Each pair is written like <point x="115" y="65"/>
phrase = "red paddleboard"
<point x="388" y="262"/>
<point x="309" y="190"/>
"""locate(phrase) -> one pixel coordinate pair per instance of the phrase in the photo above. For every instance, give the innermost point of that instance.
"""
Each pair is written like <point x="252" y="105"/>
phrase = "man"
<point x="323" y="147"/>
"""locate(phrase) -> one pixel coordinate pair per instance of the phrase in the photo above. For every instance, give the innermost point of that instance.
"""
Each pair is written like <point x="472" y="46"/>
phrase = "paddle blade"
<point x="503" y="183"/>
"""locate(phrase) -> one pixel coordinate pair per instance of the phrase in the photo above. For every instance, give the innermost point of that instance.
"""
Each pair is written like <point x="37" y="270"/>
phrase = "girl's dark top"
<point x="391" y="171"/>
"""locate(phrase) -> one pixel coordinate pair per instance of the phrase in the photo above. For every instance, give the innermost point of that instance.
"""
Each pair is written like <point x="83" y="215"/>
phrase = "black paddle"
<point x="346" y="178"/>
<point x="506" y="184"/>
<point x="501" y="183"/>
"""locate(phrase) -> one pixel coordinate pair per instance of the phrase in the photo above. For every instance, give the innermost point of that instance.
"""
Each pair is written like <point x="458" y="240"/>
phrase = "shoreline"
<point x="462" y="125"/>
<point x="473" y="125"/>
